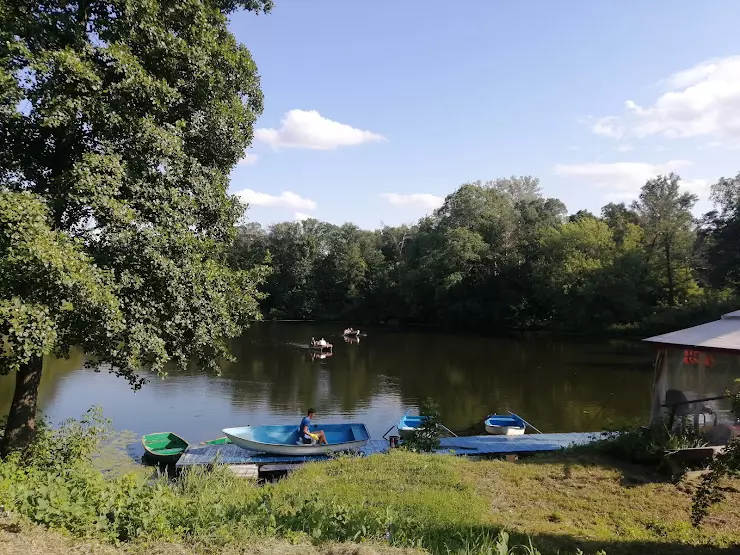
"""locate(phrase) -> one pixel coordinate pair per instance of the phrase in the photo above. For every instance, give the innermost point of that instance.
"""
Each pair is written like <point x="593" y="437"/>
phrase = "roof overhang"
<point x="721" y="335"/>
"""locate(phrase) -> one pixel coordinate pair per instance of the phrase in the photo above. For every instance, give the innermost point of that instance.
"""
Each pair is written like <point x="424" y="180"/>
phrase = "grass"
<point x="440" y="504"/>
<point x="18" y="537"/>
<point x="566" y="502"/>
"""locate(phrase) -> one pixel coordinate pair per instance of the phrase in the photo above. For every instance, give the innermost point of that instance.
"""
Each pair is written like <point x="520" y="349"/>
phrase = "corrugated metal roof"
<point x="721" y="334"/>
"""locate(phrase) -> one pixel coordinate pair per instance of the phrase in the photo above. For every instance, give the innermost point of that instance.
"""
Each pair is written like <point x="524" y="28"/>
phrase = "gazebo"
<point x="694" y="369"/>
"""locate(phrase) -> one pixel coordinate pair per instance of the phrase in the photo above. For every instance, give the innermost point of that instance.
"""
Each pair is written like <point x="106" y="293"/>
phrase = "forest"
<point x="499" y="255"/>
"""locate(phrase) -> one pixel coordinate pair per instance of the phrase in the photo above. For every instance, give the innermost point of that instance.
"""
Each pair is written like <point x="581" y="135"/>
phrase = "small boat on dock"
<point x="163" y="447"/>
<point x="285" y="440"/>
<point x="408" y="424"/>
<point x="505" y="425"/>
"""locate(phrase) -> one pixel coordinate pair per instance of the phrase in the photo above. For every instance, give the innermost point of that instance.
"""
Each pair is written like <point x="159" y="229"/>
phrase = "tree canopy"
<point x="120" y="121"/>
<point x="499" y="255"/>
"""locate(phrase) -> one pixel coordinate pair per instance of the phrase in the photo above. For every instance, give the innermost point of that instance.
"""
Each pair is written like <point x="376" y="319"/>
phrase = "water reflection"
<point x="557" y="385"/>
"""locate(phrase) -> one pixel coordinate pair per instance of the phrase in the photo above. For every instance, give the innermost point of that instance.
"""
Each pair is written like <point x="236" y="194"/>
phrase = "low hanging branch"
<point x="710" y="491"/>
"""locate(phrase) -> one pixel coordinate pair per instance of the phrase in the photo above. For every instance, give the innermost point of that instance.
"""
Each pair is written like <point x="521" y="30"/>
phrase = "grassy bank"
<point x="387" y="503"/>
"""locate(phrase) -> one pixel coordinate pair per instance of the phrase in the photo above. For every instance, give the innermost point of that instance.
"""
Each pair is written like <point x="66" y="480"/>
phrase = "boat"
<point x="408" y="424"/>
<point x="218" y="441"/>
<point x="163" y="447"/>
<point x="349" y="332"/>
<point x="320" y="346"/>
<point x="285" y="440"/>
<point x="505" y="425"/>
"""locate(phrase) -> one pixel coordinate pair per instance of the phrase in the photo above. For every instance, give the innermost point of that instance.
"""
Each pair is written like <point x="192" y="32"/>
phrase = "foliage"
<point x="710" y="491"/>
<point x="425" y="438"/>
<point x="498" y="255"/>
<point x="59" y="488"/>
<point x="440" y="503"/>
<point x="642" y="444"/>
<point x="121" y="122"/>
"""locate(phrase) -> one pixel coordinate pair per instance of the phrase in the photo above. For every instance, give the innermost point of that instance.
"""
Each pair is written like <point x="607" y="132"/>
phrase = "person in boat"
<point x="309" y="437"/>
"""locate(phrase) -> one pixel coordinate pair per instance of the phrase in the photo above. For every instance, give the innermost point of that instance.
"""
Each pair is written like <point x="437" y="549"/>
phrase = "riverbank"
<point x="441" y="504"/>
<point x="659" y="320"/>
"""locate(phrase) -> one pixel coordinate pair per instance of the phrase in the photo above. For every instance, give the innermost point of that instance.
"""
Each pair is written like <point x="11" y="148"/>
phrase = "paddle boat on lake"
<point x="285" y="440"/>
<point x="163" y="447"/>
<point x="505" y="425"/>
<point x="322" y="345"/>
<point x="349" y="332"/>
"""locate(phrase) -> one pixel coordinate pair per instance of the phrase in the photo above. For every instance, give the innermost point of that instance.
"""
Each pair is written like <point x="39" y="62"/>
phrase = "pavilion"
<point x="695" y="368"/>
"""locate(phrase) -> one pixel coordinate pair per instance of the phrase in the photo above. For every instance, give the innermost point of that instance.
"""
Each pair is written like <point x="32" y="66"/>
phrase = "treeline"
<point x="497" y="255"/>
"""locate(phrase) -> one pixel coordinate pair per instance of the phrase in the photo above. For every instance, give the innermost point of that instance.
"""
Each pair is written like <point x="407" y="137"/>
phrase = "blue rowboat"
<point x="502" y="425"/>
<point x="285" y="440"/>
<point x="408" y="423"/>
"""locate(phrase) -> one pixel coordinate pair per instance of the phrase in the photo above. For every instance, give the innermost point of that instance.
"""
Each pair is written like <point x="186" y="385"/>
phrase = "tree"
<point x="619" y="218"/>
<point x="119" y="124"/>
<point x="665" y="214"/>
<point x="721" y="234"/>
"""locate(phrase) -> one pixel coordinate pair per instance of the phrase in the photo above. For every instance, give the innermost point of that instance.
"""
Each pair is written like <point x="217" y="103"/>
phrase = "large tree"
<point x="119" y="123"/>
<point x="665" y="214"/>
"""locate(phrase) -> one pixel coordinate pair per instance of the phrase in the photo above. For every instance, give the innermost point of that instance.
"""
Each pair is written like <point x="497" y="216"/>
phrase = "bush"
<point x="425" y="438"/>
<point x="638" y="444"/>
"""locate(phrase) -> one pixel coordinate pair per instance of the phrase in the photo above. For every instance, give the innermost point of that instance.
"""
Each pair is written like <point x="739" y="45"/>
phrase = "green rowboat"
<point x="164" y="447"/>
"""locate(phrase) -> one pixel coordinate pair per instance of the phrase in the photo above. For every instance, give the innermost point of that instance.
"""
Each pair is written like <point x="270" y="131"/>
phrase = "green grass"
<point x="569" y="501"/>
<point x="440" y="504"/>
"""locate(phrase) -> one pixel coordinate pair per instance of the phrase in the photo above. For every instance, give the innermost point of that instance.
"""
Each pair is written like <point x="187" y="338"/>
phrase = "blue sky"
<point x="374" y="111"/>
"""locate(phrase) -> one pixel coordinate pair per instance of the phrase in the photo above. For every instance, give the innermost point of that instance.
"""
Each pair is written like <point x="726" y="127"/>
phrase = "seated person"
<point x="308" y="437"/>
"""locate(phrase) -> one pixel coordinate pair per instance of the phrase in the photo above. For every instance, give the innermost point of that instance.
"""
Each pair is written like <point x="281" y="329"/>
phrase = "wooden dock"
<point x="489" y="445"/>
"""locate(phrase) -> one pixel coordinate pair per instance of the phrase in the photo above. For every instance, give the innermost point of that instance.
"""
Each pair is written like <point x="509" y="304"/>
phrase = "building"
<point x="695" y="369"/>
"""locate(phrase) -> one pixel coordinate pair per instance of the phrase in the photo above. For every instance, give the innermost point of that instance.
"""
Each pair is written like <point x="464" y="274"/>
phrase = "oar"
<point x="396" y="424"/>
<point x="527" y="423"/>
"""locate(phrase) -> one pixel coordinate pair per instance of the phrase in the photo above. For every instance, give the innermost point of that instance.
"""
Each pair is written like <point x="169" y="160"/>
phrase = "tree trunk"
<point x="21" y="426"/>
<point x="669" y="274"/>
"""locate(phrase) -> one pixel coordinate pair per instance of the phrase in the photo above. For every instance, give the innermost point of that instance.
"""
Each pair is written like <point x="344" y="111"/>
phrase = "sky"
<point x="375" y="111"/>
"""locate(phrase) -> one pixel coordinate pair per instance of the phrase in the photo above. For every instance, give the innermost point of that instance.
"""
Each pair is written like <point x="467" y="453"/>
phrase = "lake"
<point x="559" y="385"/>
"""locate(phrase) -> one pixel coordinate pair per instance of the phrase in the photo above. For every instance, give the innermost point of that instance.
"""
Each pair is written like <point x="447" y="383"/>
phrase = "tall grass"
<point x="402" y="499"/>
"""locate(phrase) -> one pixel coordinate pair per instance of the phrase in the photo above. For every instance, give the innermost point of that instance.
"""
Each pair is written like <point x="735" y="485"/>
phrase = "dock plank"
<point x="464" y="446"/>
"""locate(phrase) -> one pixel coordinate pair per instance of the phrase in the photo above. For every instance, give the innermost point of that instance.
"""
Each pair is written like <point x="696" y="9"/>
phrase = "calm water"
<point x="558" y="385"/>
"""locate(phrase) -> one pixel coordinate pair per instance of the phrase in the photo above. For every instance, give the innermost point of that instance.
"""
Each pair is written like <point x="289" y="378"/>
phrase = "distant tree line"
<point x="498" y="255"/>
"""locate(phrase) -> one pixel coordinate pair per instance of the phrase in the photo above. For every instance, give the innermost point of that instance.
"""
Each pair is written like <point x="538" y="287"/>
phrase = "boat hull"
<point x="504" y="430"/>
<point x="163" y="447"/>
<point x="505" y="425"/>
<point x="407" y="425"/>
<point x="284" y="440"/>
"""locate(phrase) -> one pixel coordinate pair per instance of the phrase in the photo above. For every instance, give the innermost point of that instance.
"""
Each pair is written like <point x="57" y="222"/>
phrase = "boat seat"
<point x="172" y="451"/>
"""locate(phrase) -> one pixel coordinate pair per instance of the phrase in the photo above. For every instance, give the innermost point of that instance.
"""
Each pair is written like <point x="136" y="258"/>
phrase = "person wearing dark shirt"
<point x="308" y="436"/>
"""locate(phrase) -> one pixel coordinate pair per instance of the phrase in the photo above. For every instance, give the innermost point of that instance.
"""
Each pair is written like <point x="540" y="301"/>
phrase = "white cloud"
<point x="300" y="216"/>
<point x="700" y="101"/>
<point x="309" y="129"/>
<point x="624" y="148"/>
<point x="700" y="187"/>
<point x="286" y="199"/>
<point x="623" y="180"/>
<point x="424" y="200"/>
<point x="248" y="160"/>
